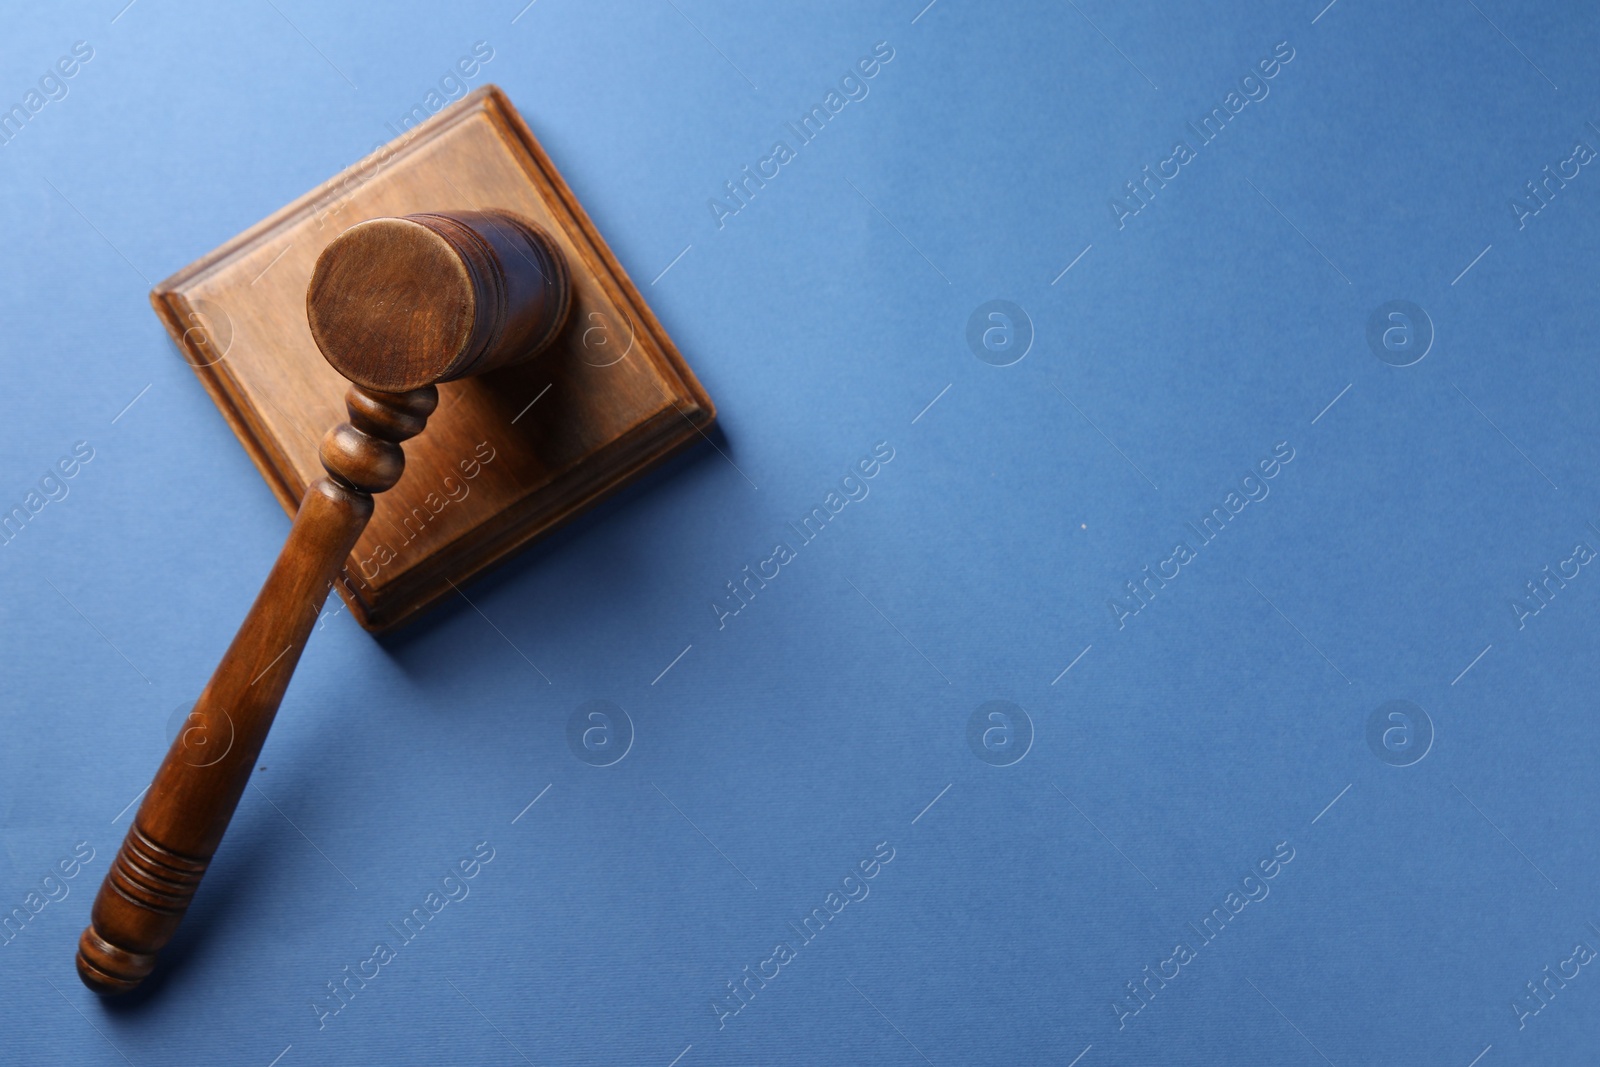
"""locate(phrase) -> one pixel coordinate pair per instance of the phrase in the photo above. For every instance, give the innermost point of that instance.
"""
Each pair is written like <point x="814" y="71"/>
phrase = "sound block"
<point x="509" y="456"/>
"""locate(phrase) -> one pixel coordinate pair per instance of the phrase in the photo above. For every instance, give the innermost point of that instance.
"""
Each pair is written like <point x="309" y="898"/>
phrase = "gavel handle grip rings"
<point x="396" y="305"/>
<point x="184" y="815"/>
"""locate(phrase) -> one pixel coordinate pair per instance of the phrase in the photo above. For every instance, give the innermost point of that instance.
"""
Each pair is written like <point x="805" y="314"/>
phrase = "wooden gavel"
<point x="396" y="305"/>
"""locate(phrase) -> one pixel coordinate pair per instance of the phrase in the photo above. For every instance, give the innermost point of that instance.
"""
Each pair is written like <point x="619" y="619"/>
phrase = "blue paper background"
<point x="823" y="719"/>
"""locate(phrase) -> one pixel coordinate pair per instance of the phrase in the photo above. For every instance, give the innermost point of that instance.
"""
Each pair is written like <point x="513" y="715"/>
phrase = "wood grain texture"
<point x="399" y="303"/>
<point x="492" y="474"/>
<point x="184" y="815"/>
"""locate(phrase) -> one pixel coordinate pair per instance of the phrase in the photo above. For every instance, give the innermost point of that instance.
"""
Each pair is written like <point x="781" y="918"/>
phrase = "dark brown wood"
<point x="511" y="454"/>
<point x="395" y="304"/>
<point x="192" y="799"/>
<point x="395" y="301"/>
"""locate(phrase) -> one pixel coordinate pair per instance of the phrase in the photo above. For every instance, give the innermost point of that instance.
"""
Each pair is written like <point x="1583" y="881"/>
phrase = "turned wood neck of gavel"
<point x="396" y="305"/>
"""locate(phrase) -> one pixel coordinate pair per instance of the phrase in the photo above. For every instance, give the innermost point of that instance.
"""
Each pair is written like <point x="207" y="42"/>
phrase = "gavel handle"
<point x="184" y="815"/>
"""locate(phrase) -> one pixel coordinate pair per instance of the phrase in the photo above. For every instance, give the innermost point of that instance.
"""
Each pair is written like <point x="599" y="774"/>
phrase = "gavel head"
<point x="397" y="304"/>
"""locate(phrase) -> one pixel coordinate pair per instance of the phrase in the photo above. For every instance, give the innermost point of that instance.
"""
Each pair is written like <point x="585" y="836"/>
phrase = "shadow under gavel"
<point x="396" y="305"/>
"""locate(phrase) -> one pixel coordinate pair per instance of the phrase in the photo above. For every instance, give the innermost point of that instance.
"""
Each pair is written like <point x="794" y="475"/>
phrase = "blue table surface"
<point x="1204" y="674"/>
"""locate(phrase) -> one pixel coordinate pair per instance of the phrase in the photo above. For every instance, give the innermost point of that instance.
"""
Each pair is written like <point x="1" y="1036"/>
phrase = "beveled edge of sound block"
<point x="569" y="495"/>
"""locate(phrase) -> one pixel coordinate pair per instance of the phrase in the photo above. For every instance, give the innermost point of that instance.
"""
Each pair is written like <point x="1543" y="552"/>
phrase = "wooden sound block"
<point x="508" y="456"/>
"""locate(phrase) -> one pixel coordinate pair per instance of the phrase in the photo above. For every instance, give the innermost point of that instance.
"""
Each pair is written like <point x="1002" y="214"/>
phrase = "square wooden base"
<point x="507" y="457"/>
